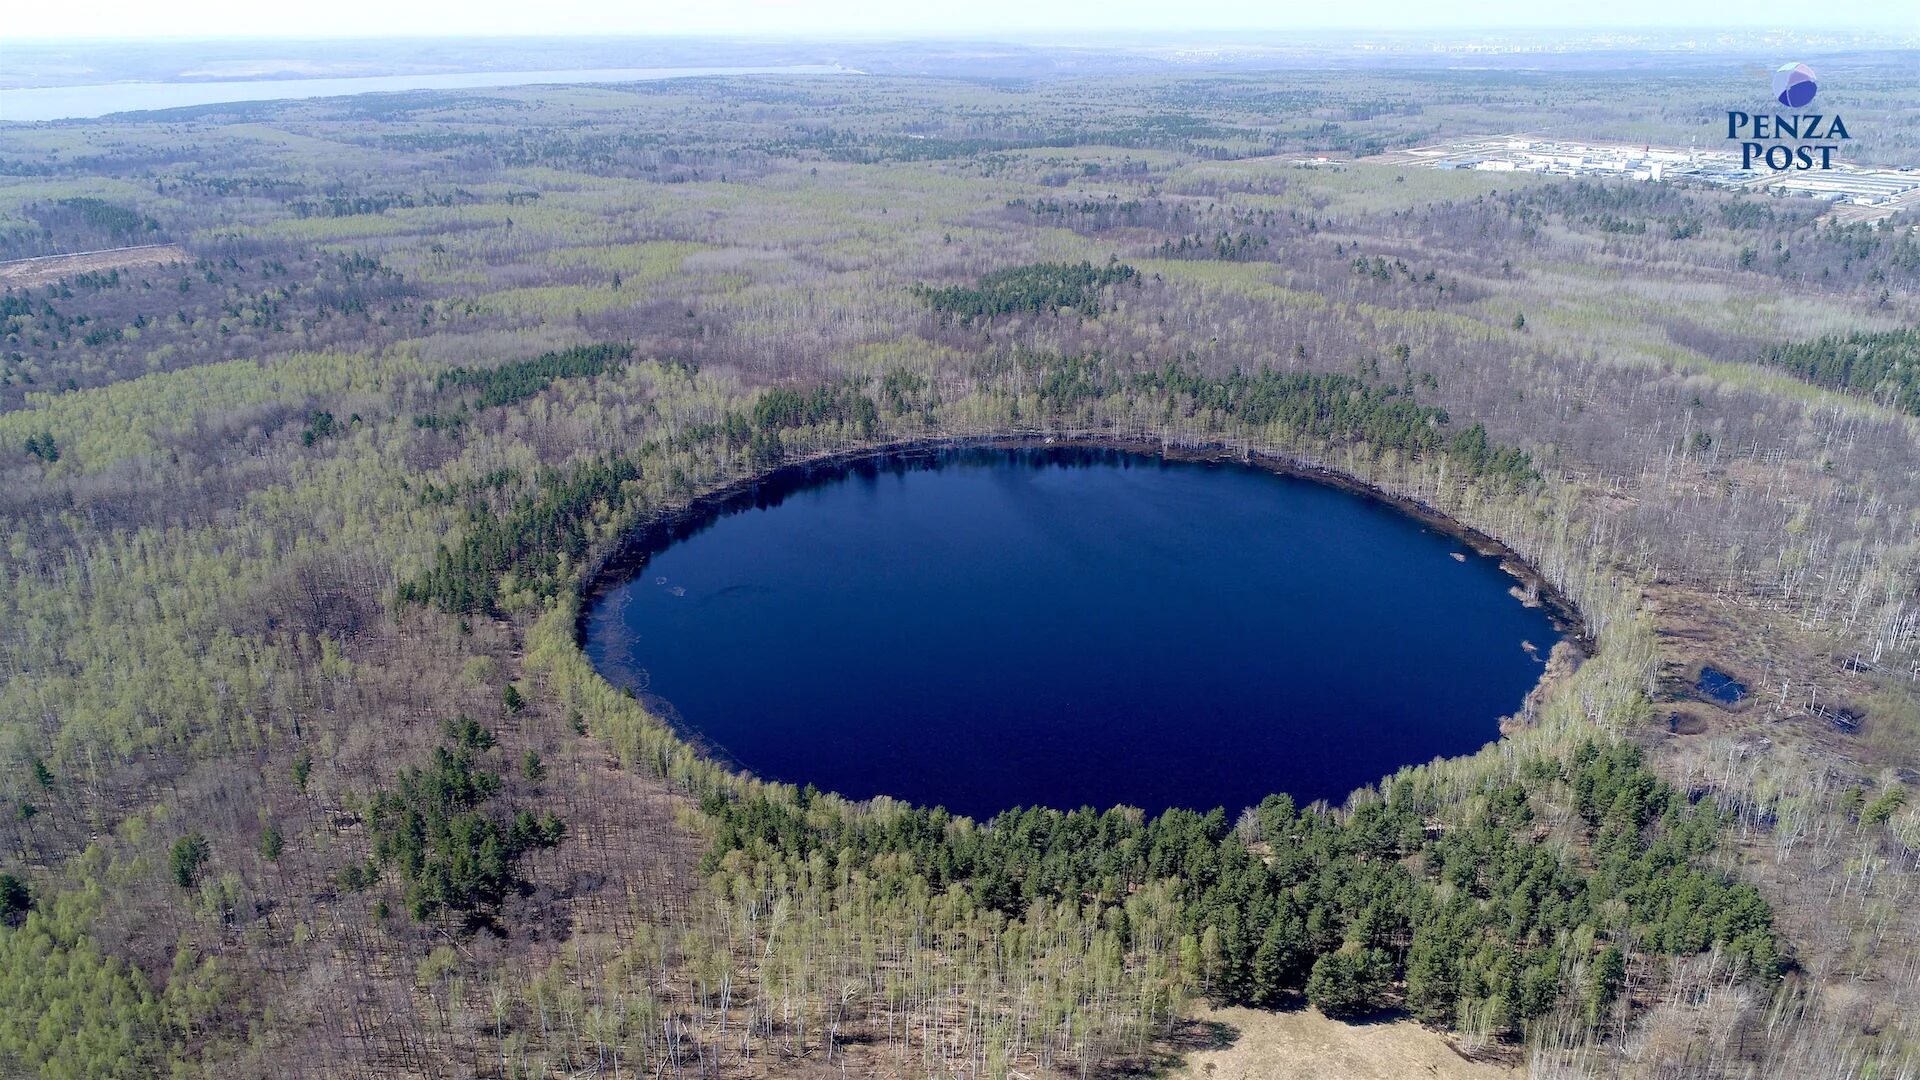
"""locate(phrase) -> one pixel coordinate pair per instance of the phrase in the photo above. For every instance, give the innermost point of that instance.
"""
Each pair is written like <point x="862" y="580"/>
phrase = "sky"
<point x="144" y="19"/>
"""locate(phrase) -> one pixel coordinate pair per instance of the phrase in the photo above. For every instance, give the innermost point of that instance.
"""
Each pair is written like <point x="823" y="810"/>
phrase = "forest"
<point x="1283" y="903"/>
<point x="303" y="771"/>
<point x="1884" y="366"/>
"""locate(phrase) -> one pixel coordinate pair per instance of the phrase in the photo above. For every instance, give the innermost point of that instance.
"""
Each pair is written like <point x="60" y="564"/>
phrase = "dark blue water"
<point x="1721" y="686"/>
<point x="989" y="628"/>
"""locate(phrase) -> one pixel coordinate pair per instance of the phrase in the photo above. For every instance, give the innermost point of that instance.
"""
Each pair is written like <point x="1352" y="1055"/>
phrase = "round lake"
<point x="988" y="628"/>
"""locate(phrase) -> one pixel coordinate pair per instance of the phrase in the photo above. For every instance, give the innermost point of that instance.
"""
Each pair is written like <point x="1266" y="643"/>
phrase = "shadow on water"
<point x="775" y="488"/>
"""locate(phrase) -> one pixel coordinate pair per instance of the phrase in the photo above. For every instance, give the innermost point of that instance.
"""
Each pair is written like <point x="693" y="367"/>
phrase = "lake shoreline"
<point x="605" y="570"/>
<point x="66" y="104"/>
<point x="619" y="564"/>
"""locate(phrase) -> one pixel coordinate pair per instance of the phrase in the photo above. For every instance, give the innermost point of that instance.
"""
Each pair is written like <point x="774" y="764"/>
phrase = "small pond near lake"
<point x="1720" y="686"/>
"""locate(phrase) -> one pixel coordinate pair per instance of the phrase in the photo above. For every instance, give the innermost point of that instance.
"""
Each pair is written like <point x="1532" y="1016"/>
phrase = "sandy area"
<point x="54" y="267"/>
<point x="1304" y="1045"/>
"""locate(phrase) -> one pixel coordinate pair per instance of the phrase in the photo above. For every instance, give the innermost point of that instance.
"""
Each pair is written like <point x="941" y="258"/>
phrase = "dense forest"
<point x="1036" y="288"/>
<point x="1488" y="934"/>
<point x="1884" y="366"/>
<point x="303" y="771"/>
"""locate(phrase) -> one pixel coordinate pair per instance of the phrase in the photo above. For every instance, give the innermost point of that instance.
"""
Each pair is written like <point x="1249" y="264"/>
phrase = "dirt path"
<point x="46" y="268"/>
<point x="1304" y="1045"/>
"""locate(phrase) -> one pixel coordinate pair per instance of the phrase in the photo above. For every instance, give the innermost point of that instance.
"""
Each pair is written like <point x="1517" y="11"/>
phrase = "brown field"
<point x="39" y="271"/>
<point x="1305" y="1045"/>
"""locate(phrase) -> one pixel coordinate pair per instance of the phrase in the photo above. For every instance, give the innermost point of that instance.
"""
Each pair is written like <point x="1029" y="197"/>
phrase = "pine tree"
<point x="271" y="844"/>
<point x="188" y="858"/>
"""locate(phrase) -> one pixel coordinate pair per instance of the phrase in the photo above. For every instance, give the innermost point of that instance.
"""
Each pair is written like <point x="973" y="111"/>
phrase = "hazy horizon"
<point x="230" y="20"/>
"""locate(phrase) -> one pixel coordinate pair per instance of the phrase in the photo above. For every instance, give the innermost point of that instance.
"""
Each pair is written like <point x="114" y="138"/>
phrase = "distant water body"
<point x="982" y="629"/>
<point x="80" y="102"/>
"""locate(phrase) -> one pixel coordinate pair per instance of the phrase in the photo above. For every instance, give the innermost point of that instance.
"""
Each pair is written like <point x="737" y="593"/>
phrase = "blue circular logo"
<point x="1793" y="85"/>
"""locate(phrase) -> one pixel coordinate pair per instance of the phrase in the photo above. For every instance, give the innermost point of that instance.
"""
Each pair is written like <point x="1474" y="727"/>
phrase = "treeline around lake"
<point x="1481" y="925"/>
<point x="540" y="536"/>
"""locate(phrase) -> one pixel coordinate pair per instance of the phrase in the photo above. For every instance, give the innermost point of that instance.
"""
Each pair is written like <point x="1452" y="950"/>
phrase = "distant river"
<point x="75" y="102"/>
<point x="988" y="628"/>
